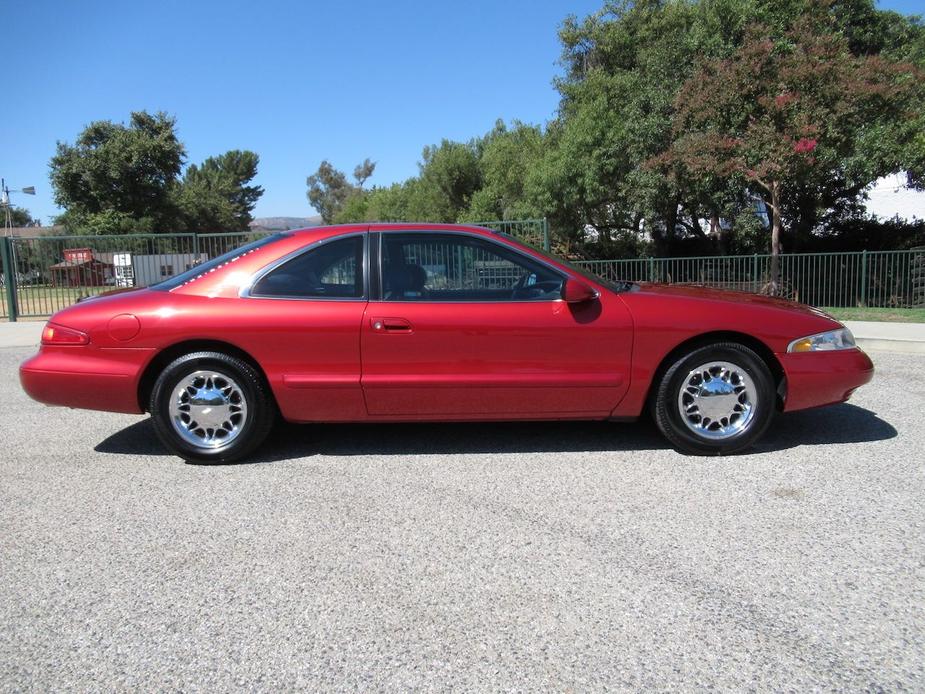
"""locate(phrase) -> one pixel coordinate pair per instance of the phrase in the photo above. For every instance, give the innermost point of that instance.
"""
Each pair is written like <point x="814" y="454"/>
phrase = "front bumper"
<point x="823" y="378"/>
<point x="85" y="377"/>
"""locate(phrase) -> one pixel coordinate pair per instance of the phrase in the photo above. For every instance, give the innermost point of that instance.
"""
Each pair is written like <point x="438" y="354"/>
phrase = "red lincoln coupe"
<point x="411" y="322"/>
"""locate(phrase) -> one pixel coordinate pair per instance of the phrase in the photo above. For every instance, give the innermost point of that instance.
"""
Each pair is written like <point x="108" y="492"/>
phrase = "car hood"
<point x="729" y="296"/>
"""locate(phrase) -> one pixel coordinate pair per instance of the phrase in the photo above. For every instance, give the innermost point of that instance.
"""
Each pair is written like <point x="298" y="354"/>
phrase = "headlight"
<point x="824" y="342"/>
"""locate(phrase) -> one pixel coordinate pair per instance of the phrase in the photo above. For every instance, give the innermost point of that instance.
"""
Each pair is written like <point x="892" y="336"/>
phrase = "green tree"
<point x="449" y="177"/>
<point x="388" y="204"/>
<point x="217" y="196"/>
<point x="329" y="189"/>
<point x="625" y="68"/>
<point x="19" y="216"/>
<point x="507" y="160"/>
<point x="792" y="114"/>
<point x="118" y="177"/>
<point x="363" y="171"/>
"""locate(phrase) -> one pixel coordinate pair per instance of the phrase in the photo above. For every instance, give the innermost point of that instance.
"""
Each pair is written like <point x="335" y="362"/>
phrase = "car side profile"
<point x="432" y="322"/>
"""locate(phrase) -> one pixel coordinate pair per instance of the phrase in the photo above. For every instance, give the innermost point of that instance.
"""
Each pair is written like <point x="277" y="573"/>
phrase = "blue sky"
<point x="297" y="82"/>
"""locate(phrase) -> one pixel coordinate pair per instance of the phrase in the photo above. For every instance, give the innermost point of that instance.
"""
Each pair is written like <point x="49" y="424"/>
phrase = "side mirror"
<point x="576" y="292"/>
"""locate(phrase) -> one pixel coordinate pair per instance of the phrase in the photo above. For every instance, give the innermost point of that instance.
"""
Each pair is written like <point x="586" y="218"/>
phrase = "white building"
<point x="135" y="270"/>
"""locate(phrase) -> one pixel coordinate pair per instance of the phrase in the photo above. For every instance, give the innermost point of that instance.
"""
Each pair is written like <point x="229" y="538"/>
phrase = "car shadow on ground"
<point x="841" y="424"/>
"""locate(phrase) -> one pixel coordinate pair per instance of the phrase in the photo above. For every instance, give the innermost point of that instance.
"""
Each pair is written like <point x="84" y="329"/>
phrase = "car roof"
<point x="397" y="226"/>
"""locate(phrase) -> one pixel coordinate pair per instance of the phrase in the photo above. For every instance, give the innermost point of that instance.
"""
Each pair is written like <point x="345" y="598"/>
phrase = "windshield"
<point x="618" y="286"/>
<point x="202" y="268"/>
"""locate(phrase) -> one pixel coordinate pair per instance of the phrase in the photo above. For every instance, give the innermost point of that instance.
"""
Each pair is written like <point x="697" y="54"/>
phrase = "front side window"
<point x="330" y="270"/>
<point x="455" y="267"/>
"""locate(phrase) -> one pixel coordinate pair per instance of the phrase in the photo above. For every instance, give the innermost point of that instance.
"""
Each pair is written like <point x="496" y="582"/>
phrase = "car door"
<point x="466" y="327"/>
<point x="309" y="307"/>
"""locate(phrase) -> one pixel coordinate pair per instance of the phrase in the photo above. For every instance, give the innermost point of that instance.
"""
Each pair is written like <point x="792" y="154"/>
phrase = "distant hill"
<point x="284" y="223"/>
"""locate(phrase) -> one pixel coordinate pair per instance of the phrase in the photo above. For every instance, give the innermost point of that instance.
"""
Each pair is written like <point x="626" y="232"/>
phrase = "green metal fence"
<point x="45" y="274"/>
<point x="212" y="245"/>
<point x="893" y="279"/>
<point x="532" y="231"/>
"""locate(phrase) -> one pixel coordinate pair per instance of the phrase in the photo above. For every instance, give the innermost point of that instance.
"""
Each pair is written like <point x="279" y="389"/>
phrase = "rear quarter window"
<point x="219" y="261"/>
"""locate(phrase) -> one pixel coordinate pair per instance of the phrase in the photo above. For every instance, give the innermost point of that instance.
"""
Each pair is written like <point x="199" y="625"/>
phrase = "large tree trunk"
<point x="774" y="284"/>
<point x="663" y="242"/>
<point x="720" y="240"/>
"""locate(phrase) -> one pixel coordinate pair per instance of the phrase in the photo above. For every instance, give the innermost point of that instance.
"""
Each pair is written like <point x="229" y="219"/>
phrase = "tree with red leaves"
<point x="786" y="112"/>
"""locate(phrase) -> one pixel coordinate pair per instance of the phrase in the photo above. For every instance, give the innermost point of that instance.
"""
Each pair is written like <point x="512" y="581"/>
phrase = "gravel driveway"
<point x="528" y="556"/>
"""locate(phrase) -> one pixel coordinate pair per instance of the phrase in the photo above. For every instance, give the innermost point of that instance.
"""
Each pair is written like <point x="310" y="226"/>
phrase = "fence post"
<point x="9" y="278"/>
<point x="651" y="269"/>
<point x="863" y="301"/>
<point x="195" y="248"/>
<point x="546" y="244"/>
<point x="755" y="278"/>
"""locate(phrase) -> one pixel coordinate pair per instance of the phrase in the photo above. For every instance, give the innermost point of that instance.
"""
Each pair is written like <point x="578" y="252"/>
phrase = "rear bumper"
<point x="823" y="378"/>
<point x="85" y="377"/>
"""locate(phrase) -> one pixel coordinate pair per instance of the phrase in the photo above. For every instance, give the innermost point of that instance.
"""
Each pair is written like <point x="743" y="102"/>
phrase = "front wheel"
<point x="209" y="407"/>
<point x="717" y="399"/>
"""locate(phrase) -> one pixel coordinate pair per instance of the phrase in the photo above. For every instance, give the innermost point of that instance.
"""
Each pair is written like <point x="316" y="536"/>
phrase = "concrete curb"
<point x="870" y="344"/>
<point x="908" y="338"/>
<point x="21" y="333"/>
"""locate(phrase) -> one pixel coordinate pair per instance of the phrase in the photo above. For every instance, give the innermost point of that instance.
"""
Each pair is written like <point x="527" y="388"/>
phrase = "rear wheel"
<point x="209" y="407"/>
<point x="715" y="400"/>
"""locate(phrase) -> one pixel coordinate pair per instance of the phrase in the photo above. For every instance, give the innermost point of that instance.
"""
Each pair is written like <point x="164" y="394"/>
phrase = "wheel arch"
<point x="168" y="354"/>
<point x="753" y="343"/>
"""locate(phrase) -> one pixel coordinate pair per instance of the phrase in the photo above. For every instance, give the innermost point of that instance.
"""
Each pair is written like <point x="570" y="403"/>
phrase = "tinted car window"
<point x="455" y="267"/>
<point x="333" y="269"/>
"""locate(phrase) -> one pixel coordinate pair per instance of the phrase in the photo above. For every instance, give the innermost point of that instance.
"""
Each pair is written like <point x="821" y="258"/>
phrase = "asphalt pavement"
<point x="566" y="556"/>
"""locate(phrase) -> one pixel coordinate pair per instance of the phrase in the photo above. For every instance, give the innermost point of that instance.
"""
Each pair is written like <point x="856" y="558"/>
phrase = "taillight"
<point x="59" y="335"/>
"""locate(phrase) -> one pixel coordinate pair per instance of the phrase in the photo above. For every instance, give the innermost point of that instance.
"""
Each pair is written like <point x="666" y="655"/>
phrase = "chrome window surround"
<point x="246" y="293"/>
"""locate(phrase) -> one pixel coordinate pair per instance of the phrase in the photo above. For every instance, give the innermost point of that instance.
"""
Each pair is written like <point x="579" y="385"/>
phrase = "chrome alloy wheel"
<point x="208" y="409"/>
<point x="717" y="400"/>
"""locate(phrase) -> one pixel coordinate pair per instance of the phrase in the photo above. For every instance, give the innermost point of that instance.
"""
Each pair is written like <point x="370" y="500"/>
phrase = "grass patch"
<point x="892" y="315"/>
<point x="45" y="300"/>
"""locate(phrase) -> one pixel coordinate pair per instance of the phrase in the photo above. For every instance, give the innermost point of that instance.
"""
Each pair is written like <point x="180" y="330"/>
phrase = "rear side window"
<point x="332" y="270"/>
<point x="197" y="271"/>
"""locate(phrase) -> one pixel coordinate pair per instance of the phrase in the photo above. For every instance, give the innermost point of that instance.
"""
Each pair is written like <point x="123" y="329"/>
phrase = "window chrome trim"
<point x="491" y="242"/>
<point x="245" y="292"/>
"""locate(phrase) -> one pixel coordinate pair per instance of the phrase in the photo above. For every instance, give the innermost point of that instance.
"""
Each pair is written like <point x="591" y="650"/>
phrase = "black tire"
<point x="666" y="405"/>
<point x="251" y="428"/>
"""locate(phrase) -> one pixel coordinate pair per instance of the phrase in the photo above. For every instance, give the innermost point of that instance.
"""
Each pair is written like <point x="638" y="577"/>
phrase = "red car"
<point x="411" y="322"/>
